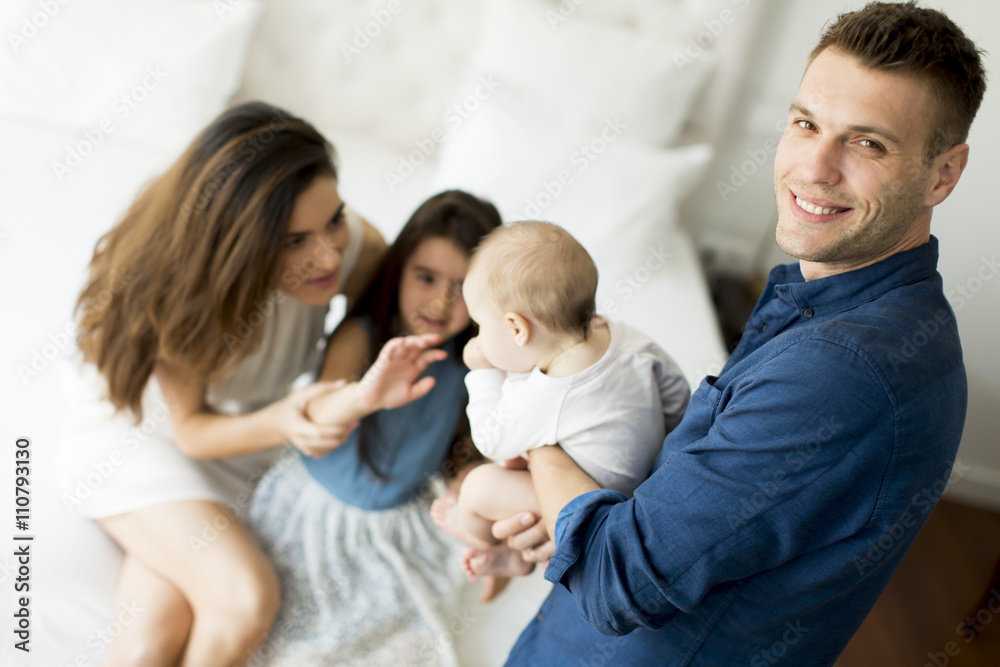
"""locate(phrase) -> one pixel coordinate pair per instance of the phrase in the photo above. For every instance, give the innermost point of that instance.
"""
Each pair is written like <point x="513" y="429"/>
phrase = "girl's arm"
<point x="392" y="381"/>
<point x="204" y="434"/>
<point x="371" y="255"/>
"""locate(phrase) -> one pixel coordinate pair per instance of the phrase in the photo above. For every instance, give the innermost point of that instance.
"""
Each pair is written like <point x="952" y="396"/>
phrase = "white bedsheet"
<point x="48" y="228"/>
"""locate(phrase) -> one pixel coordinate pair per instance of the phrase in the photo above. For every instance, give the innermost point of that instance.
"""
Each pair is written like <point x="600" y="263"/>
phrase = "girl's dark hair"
<point x="454" y="215"/>
<point x="196" y="251"/>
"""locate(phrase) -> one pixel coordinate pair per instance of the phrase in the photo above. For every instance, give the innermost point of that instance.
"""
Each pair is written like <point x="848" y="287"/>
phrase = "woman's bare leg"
<point x="159" y="619"/>
<point x="215" y="563"/>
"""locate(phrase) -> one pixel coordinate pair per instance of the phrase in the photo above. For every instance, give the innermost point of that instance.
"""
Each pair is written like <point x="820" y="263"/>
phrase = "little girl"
<point x="362" y="567"/>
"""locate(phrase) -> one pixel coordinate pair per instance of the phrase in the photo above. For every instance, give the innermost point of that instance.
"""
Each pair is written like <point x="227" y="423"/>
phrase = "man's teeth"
<point x="816" y="210"/>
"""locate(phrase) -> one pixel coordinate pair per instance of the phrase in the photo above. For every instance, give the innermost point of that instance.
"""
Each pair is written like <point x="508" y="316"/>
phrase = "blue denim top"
<point x="411" y="443"/>
<point x="783" y="502"/>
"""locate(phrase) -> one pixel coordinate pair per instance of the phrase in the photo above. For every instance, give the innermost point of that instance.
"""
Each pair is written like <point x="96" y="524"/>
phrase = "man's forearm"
<point x="557" y="480"/>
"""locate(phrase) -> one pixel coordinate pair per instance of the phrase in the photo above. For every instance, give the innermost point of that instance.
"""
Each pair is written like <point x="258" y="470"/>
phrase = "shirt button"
<point x="808" y="312"/>
<point x="539" y="617"/>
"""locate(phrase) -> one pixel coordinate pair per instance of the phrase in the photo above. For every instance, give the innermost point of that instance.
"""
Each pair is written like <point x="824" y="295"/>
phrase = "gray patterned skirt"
<point x="358" y="587"/>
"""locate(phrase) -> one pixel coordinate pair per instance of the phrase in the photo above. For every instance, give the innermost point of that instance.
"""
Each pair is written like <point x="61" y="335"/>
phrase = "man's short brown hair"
<point x="904" y="38"/>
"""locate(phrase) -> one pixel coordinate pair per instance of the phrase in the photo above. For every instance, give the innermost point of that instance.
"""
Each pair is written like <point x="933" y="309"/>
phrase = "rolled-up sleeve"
<point x="787" y="459"/>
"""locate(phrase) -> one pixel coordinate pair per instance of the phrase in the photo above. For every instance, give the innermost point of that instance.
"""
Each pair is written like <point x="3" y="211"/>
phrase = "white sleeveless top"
<point x="108" y="465"/>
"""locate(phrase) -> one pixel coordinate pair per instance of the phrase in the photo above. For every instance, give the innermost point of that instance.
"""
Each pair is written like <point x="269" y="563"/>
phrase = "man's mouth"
<point x="818" y="206"/>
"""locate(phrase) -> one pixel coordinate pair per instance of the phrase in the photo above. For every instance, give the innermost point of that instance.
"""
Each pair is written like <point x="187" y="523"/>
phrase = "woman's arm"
<point x="371" y="255"/>
<point x="204" y="434"/>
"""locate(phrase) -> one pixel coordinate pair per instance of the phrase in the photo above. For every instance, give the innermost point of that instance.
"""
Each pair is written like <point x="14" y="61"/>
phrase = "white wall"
<point x="739" y="226"/>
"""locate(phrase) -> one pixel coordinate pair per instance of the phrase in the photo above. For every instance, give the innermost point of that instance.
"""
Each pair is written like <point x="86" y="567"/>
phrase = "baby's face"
<point x="496" y="339"/>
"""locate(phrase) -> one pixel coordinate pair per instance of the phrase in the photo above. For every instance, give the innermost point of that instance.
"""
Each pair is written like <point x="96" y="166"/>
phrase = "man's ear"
<point x="519" y="327"/>
<point x="945" y="172"/>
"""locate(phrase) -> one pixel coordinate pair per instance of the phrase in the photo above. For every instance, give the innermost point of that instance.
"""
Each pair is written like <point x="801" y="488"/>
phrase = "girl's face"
<point x="430" y="289"/>
<point x="309" y="266"/>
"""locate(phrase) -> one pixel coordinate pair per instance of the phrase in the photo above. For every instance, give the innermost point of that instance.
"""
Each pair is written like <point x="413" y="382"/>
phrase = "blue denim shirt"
<point x="787" y="496"/>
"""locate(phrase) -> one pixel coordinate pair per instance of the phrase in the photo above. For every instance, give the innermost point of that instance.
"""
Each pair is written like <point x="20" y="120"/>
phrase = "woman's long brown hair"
<point x="179" y="276"/>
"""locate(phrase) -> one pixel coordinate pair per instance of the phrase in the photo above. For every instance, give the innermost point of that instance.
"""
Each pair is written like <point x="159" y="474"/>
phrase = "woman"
<point x="202" y="306"/>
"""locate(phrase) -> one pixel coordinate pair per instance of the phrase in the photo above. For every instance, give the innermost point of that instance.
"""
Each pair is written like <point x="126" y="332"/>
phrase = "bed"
<point x="600" y="116"/>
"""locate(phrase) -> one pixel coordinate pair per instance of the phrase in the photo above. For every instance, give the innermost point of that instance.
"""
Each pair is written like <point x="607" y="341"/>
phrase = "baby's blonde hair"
<point x="540" y="270"/>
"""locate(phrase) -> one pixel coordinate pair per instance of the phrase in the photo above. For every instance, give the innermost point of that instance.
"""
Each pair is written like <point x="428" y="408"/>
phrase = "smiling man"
<point x="799" y="477"/>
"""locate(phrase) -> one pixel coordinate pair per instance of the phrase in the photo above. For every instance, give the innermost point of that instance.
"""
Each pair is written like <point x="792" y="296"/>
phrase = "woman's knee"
<point x="243" y="608"/>
<point x="157" y="644"/>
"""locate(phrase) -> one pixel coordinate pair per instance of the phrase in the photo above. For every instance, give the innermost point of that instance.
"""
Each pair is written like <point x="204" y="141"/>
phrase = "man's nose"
<point x="821" y="163"/>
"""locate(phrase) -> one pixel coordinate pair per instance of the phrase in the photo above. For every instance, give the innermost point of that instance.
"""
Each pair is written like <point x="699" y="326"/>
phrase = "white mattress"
<point x="48" y="229"/>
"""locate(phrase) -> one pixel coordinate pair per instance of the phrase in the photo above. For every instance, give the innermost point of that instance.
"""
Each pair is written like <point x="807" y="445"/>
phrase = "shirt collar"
<point x="853" y="288"/>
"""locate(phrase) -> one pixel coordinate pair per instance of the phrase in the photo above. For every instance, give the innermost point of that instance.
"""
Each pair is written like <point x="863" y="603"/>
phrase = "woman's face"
<point x="309" y="266"/>
<point x="430" y="289"/>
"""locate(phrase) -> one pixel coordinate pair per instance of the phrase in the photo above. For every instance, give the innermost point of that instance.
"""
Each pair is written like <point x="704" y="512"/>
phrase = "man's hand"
<point x="473" y="356"/>
<point x="525" y="533"/>
<point x="392" y="380"/>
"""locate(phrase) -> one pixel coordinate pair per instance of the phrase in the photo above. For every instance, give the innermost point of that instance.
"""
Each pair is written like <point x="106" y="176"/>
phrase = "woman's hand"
<point x="392" y="380"/>
<point x="305" y="435"/>
<point x="473" y="356"/>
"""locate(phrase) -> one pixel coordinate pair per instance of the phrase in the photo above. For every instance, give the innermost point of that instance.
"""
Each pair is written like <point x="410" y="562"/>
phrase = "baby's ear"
<point x="519" y="328"/>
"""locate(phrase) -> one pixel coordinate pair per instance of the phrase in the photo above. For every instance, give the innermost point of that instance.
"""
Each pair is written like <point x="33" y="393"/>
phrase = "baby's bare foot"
<point x="496" y="561"/>
<point x="444" y="512"/>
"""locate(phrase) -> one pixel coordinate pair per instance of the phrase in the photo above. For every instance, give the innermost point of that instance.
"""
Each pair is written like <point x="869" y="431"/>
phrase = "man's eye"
<point x="872" y="145"/>
<point x="805" y="124"/>
<point x="425" y="278"/>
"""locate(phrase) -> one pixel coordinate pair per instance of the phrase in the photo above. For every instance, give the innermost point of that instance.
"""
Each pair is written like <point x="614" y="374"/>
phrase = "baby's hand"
<point x="473" y="356"/>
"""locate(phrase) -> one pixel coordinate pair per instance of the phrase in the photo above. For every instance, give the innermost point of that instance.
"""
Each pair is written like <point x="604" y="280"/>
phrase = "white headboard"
<point x="388" y="68"/>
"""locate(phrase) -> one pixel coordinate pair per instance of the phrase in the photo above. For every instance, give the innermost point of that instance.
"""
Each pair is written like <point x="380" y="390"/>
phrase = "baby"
<point x="545" y="370"/>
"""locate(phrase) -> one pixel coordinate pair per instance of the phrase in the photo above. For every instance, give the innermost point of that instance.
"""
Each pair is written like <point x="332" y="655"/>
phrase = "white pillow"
<point x="153" y="72"/>
<point x="616" y="197"/>
<point x="583" y="72"/>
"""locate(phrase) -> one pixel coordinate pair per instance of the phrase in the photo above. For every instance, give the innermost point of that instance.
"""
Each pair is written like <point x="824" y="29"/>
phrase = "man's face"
<point x="850" y="176"/>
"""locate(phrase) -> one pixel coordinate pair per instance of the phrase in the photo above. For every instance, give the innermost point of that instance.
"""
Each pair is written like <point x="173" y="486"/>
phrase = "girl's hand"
<point x="473" y="356"/>
<point x="308" y="437"/>
<point x="392" y="380"/>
